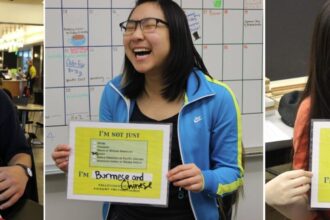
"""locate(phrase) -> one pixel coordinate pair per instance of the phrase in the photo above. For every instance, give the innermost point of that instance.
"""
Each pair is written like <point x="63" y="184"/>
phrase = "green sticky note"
<point x="217" y="3"/>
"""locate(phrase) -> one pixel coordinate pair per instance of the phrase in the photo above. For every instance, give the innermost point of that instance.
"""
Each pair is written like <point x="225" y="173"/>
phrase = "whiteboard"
<point x="84" y="50"/>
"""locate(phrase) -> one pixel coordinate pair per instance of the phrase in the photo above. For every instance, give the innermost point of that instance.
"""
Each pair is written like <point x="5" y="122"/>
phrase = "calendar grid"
<point x="242" y="108"/>
<point x="84" y="50"/>
<point x="63" y="60"/>
<point x="88" y="66"/>
<point x="111" y="44"/>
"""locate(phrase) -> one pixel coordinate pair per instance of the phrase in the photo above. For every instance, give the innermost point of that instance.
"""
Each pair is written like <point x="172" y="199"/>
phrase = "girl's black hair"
<point x="318" y="83"/>
<point x="182" y="58"/>
<point x="317" y="87"/>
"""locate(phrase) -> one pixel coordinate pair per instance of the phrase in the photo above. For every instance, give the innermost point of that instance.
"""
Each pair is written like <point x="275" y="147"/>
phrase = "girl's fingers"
<point x="293" y="174"/>
<point x="62" y="147"/>
<point x="194" y="187"/>
<point x="178" y="169"/>
<point x="183" y="175"/>
<point x="61" y="160"/>
<point x="302" y="180"/>
<point x="189" y="181"/>
<point x="299" y="191"/>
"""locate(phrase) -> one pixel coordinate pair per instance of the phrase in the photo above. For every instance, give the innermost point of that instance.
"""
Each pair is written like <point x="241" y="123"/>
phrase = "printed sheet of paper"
<point x="320" y="143"/>
<point x="119" y="162"/>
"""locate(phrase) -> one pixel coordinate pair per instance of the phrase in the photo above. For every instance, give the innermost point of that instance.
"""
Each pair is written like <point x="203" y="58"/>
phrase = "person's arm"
<point x="14" y="179"/>
<point x="21" y="158"/>
<point x="226" y="173"/>
<point x="13" y="149"/>
<point x="301" y="136"/>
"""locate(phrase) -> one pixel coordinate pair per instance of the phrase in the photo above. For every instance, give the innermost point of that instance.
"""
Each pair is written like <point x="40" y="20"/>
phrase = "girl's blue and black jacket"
<point x="209" y="134"/>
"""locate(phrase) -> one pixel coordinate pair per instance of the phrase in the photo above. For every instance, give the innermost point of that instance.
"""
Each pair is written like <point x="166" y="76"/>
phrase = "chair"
<point x="38" y="99"/>
<point x="20" y="100"/>
<point x="35" y="142"/>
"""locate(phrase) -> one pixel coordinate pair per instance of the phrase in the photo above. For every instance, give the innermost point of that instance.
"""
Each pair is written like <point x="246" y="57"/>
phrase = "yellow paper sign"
<point x="320" y="149"/>
<point x="119" y="162"/>
<point x="324" y="166"/>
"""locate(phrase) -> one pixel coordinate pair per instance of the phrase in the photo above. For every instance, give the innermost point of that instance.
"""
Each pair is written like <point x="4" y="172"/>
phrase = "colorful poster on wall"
<point x="119" y="162"/>
<point x="320" y="143"/>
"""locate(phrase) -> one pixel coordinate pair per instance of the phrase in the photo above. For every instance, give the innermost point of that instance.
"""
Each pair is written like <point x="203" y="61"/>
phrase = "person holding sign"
<point x="288" y="192"/>
<point x="165" y="81"/>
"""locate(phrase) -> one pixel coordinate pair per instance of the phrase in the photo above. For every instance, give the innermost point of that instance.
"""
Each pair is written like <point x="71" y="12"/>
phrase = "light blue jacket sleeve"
<point x="225" y="175"/>
<point x="105" y="114"/>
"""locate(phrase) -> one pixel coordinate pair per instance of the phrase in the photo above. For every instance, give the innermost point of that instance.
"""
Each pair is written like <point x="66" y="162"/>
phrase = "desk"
<point x="25" y="109"/>
<point x="16" y="87"/>
<point x="278" y="139"/>
<point x="276" y="131"/>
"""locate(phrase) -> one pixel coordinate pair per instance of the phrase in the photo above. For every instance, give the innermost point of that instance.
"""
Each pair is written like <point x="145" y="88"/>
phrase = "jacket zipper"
<point x="179" y="140"/>
<point x="127" y="102"/>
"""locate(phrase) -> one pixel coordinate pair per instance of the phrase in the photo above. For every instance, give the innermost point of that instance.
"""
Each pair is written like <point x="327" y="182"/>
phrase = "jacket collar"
<point x="198" y="86"/>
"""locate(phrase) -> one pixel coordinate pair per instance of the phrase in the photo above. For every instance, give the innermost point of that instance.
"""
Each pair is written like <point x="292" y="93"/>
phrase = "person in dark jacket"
<point x="15" y="156"/>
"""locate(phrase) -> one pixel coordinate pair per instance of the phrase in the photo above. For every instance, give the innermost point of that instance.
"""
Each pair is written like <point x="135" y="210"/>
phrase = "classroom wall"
<point x="58" y="207"/>
<point x="251" y="205"/>
<point x="289" y="27"/>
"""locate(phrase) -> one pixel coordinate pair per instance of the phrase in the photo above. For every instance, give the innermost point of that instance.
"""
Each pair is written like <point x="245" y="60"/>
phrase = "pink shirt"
<point x="301" y="136"/>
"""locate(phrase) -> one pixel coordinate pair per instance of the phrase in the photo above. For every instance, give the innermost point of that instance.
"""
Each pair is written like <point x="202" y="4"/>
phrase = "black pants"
<point x="31" y="85"/>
